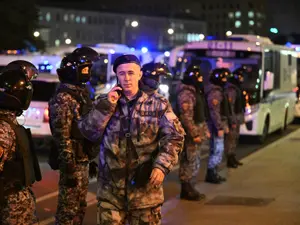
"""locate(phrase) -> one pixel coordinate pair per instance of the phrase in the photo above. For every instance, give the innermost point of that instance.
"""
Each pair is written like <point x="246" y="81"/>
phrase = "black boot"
<point x="231" y="162"/>
<point x="237" y="162"/>
<point x="213" y="177"/>
<point x="188" y="192"/>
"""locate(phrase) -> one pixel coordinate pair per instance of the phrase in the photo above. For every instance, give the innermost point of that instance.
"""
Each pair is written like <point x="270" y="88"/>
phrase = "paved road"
<point x="46" y="190"/>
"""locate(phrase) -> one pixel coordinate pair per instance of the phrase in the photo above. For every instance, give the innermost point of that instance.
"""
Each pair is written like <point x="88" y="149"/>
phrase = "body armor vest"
<point x="24" y="169"/>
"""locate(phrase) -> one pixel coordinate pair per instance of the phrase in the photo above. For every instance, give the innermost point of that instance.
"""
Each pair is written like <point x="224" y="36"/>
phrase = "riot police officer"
<point x="153" y="73"/>
<point x="19" y="167"/>
<point x="219" y="121"/>
<point x="235" y="98"/>
<point x="193" y="114"/>
<point x="69" y="103"/>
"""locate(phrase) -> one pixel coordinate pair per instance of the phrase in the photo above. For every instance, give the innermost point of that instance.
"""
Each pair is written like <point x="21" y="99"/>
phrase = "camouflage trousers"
<point x="216" y="151"/>
<point x="18" y="208"/>
<point x="72" y="197"/>
<point x="108" y="214"/>
<point x="189" y="162"/>
<point x="231" y="140"/>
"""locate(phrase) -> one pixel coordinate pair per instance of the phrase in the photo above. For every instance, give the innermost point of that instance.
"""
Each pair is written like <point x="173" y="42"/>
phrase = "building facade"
<point x="232" y="16"/>
<point x="61" y="26"/>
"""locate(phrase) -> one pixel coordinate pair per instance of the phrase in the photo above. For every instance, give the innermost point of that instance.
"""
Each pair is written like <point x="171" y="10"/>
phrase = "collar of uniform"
<point x="124" y="100"/>
<point x="8" y="114"/>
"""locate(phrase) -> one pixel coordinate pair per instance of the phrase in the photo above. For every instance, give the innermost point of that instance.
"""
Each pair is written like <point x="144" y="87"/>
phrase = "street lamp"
<point x="228" y="33"/>
<point x="201" y="36"/>
<point x="68" y="41"/>
<point x="36" y="34"/>
<point x="134" y="23"/>
<point x="170" y="31"/>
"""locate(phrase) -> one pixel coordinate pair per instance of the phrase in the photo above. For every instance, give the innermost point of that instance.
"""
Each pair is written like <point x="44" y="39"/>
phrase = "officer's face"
<point x="129" y="75"/>
<point x="85" y="70"/>
<point x="200" y="79"/>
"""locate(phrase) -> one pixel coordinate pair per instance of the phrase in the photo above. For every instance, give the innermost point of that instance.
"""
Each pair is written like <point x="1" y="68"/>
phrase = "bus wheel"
<point x="262" y="138"/>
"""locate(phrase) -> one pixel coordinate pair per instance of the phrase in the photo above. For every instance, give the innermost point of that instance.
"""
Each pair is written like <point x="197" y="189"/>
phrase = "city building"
<point x="62" y="26"/>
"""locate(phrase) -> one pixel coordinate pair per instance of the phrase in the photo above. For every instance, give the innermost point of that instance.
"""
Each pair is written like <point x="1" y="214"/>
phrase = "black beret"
<point x="124" y="59"/>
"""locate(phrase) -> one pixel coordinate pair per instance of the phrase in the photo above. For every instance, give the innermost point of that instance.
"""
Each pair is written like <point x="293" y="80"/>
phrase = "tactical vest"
<point x="24" y="169"/>
<point x="200" y="110"/>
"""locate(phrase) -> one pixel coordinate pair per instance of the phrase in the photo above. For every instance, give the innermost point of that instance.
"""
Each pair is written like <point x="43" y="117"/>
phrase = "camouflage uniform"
<point x="153" y="125"/>
<point x="217" y="121"/>
<point x="18" y="208"/>
<point x="190" y="157"/>
<point x="73" y="166"/>
<point x="232" y="137"/>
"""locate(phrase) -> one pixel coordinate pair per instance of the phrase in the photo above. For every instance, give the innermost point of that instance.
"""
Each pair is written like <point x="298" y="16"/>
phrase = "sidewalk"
<point x="264" y="191"/>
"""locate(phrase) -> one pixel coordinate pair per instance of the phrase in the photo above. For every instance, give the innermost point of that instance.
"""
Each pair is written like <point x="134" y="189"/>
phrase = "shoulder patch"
<point x="215" y="101"/>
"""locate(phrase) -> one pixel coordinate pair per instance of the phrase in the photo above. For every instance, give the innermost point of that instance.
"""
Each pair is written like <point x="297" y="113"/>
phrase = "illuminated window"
<point x="238" y="14"/>
<point x="83" y="19"/>
<point x="251" y="22"/>
<point x="48" y="16"/>
<point x="66" y="18"/>
<point x="72" y="16"/>
<point x="77" y="19"/>
<point x="230" y="15"/>
<point x="250" y="14"/>
<point x="238" y="24"/>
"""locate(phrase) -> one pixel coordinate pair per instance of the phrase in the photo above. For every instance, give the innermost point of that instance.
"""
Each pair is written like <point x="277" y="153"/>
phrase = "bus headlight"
<point x="250" y="109"/>
<point x="164" y="88"/>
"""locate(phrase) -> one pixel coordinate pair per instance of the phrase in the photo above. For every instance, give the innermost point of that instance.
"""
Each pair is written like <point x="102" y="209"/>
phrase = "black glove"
<point x="93" y="169"/>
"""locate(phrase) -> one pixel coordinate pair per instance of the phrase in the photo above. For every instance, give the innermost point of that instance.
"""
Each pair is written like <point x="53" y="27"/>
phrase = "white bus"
<point x="268" y="87"/>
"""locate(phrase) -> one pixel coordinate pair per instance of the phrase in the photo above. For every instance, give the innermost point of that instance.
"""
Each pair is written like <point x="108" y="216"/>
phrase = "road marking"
<point x="91" y="200"/>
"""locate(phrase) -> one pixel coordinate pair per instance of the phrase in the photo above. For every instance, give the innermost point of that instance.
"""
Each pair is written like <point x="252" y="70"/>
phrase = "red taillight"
<point x="46" y="115"/>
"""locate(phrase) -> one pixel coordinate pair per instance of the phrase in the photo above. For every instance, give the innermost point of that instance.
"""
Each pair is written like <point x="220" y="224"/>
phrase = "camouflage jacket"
<point x="153" y="125"/>
<point x="63" y="111"/>
<point x="215" y="96"/>
<point x="186" y="101"/>
<point x="7" y="141"/>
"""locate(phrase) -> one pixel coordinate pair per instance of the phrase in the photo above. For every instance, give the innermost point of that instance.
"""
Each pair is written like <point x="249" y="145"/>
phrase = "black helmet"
<point x="238" y="76"/>
<point x="153" y="73"/>
<point x="217" y="76"/>
<point x="192" y="74"/>
<point x="15" y="86"/>
<point x="72" y="66"/>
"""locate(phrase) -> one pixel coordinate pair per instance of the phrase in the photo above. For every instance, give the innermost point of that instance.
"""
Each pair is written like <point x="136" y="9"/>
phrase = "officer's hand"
<point x="197" y="139"/>
<point x="113" y="95"/>
<point x="207" y="133"/>
<point x="220" y="133"/>
<point x="157" y="177"/>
